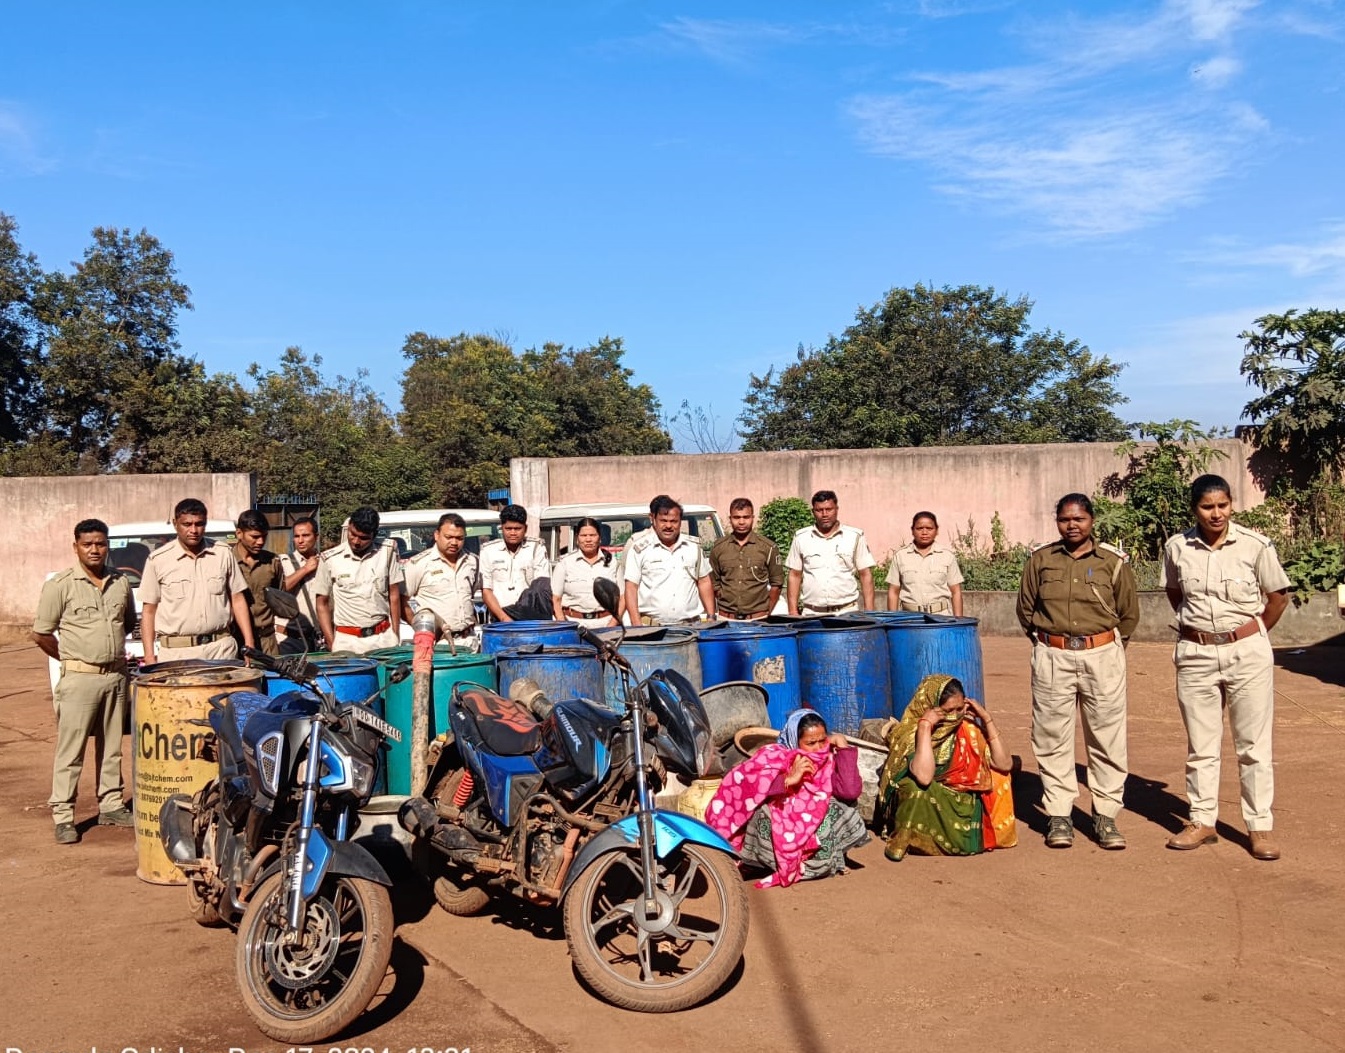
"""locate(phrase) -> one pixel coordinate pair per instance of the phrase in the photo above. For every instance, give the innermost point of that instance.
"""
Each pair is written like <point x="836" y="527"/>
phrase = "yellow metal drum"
<point x="167" y="749"/>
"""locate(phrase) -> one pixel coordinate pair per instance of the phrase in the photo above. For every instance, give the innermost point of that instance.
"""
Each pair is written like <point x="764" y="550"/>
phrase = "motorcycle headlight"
<point x="362" y="777"/>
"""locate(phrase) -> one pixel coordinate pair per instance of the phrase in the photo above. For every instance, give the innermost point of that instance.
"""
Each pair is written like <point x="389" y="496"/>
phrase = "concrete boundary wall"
<point x="43" y="512"/>
<point x="879" y="490"/>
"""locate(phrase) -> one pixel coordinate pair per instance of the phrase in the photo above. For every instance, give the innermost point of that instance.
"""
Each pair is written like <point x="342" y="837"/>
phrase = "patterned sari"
<point x="968" y="806"/>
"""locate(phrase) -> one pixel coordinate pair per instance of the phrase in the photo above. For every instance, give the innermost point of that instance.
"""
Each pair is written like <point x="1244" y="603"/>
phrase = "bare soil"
<point x="1025" y="949"/>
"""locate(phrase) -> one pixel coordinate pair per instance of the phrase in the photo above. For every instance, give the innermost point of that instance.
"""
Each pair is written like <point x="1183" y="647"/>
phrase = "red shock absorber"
<point x="464" y="790"/>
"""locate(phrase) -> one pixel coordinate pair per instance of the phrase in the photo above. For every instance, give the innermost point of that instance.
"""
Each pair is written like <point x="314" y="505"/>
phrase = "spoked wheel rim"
<point x="666" y="948"/>
<point x="298" y="981"/>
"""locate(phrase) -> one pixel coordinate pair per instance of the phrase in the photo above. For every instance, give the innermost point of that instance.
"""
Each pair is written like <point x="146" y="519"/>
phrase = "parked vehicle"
<point x="554" y="803"/>
<point x="617" y="522"/>
<point x="265" y="849"/>
<point x="413" y="529"/>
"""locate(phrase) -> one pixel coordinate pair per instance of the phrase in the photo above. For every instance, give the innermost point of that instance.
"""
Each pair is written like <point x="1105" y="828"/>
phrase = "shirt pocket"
<point x="1241" y="590"/>
<point x="1053" y="585"/>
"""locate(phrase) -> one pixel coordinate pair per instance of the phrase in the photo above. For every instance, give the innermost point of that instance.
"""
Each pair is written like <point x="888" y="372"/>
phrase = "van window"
<point x="615" y="531"/>
<point x="128" y="554"/>
<point x="416" y="538"/>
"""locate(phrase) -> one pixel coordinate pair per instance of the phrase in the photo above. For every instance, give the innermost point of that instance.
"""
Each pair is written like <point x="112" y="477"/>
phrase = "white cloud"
<point x="1216" y="71"/>
<point x="19" y="149"/>
<point x="1320" y="258"/>
<point x="727" y="41"/>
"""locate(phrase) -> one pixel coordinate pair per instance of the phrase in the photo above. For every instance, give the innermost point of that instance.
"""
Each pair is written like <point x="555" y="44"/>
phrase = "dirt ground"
<point x="1025" y="949"/>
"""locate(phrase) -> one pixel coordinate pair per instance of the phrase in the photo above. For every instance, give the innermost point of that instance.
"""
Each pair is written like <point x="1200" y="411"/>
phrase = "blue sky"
<point x="715" y="183"/>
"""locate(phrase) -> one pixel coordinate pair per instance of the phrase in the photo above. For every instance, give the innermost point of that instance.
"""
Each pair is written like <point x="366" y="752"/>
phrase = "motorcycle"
<point x="553" y="801"/>
<point x="265" y="849"/>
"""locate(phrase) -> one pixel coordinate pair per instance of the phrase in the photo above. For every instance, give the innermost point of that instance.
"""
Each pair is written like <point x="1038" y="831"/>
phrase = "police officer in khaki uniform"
<point x="189" y="589"/>
<point x="1079" y="604"/>
<point x="359" y="589"/>
<point x="924" y="576"/>
<point x="573" y="577"/>
<point x="515" y="572"/>
<point x="300" y="568"/>
<point x="667" y="574"/>
<point x="444" y="579"/>
<point x="1228" y="589"/>
<point x="745" y="568"/>
<point x="92" y="609"/>
<point x="261" y="570"/>
<point x="824" y="562"/>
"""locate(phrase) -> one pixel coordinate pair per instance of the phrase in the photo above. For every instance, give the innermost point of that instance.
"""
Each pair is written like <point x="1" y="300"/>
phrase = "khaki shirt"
<point x="261" y="572"/>
<point x="667" y="577"/>
<point x="1078" y="597"/>
<point x="829" y="564"/>
<point x="507" y="573"/>
<point x="925" y="579"/>
<point x="743" y="575"/>
<point x="359" y="586"/>
<point x="307" y="621"/>
<point x="447" y="590"/>
<point x="92" y="622"/>
<point x="1221" y="587"/>
<point x="573" y="577"/>
<point x="192" y="592"/>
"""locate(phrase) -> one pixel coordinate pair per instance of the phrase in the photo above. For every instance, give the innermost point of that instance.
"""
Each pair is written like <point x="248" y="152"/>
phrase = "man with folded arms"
<point x="92" y="609"/>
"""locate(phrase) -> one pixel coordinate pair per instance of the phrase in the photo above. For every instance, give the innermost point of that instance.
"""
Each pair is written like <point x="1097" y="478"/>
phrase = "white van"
<point x="413" y="529"/>
<point x="617" y="522"/>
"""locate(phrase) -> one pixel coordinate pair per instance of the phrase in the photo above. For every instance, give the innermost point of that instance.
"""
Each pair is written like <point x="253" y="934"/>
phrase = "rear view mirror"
<point x="282" y="604"/>
<point x="607" y="595"/>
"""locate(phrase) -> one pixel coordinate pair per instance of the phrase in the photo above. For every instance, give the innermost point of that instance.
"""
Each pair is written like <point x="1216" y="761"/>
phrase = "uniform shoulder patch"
<point x="424" y="556"/>
<point x="641" y="542"/>
<point x="328" y="553"/>
<point x="162" y="549"/>
<point x="1119" y="553"/>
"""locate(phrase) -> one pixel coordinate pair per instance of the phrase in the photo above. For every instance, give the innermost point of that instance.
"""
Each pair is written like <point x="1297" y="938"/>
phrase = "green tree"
<point x="112" y="330"/>
<point x="20" y="337"/>
<point x="1298" y="363"/>
<point x="1150" y="501"/>
<point x="935" y="367"/>
<point x="597" y="410"/>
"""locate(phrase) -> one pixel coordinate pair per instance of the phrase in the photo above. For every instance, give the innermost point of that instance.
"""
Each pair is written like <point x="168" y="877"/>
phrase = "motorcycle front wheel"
<point x="309" y="990"/>
<point x="673" y="960"/>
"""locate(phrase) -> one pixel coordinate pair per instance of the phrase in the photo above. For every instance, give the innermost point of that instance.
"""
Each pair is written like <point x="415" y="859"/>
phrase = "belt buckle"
<point x="1076" y="643"/>
<point x="1223" y="638"/>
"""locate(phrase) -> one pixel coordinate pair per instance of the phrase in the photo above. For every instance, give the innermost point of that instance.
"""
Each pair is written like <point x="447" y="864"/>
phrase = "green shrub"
<point x="782" y="517"/>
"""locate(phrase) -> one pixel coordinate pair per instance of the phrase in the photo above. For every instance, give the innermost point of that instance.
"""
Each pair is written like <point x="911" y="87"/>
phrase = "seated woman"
<point x="785" y="807"/>
<point x="945" y="787"/>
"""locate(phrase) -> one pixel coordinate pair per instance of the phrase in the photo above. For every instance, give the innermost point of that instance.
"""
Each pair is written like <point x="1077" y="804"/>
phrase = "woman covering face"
<point x="1078" y="605"/>
<point x="1228" y="590"/>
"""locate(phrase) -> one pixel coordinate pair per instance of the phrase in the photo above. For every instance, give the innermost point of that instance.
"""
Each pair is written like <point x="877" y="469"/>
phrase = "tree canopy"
<point x="929" y="366"/>
<point x="1298" y="362"/>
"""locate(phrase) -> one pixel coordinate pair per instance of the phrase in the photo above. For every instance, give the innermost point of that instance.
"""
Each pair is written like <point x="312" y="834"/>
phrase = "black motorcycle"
<point x="265" y="849"/>
<point x="554" y="803"/>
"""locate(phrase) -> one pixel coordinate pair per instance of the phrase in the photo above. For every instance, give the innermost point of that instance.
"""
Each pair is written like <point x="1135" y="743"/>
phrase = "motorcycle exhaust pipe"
<point x="419" y="818"/>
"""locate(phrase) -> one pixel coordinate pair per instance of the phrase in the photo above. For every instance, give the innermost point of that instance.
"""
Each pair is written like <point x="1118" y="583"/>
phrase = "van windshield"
<point x="615" y="531"/>
<point x="414" y="538"/>
<point x="127" y="553"/>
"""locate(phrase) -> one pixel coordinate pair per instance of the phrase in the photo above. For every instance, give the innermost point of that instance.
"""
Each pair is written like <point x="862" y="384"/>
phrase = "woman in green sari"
<point x="945" y="787"/>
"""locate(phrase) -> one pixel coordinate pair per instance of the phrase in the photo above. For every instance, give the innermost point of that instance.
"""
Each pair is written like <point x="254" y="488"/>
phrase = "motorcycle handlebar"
<point x="606" y="651"/>
<point x="292" y="667"/>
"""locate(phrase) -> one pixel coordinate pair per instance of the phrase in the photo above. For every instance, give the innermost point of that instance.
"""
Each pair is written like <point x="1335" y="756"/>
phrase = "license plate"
<point x="373" y="720"/>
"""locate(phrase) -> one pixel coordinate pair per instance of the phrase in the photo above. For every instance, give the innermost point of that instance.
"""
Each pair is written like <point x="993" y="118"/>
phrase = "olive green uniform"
<point x="261" y="572"/>
<point x="1069" y="606"/>
<point x="744" y="574"/>
<point x="90" y="696"/>
<point x="1223" y="589"/>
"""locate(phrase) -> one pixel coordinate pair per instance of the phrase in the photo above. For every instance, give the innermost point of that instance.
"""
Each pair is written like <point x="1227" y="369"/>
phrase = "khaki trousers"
<point x="364" y="644"/>
<point x="1240" y="676"/>
<point x="87" y="705"/>
<point x="1095" y="682"/>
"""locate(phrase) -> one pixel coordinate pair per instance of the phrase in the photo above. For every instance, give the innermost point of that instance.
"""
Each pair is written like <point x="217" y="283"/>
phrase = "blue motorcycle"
<point x="265" y="848"/>
<point x="553" y="802"/>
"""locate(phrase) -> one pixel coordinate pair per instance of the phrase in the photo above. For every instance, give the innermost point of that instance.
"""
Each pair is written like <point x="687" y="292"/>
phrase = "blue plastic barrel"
<point x="843" y="665"/>
<point x="934" y="643"/>
<point x="501" y="636"/>
<point x="561" y="672"/>
<point x="650" y="648"/>
<point x="763" y="654"/>
<point x="449" y="670"/>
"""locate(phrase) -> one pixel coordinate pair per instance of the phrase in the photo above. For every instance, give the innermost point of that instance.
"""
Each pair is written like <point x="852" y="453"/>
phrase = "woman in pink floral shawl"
<point x="785" y="807"/>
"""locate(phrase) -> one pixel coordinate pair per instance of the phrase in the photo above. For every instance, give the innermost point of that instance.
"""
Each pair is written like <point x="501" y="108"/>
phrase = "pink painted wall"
<point x="879" y="490"/>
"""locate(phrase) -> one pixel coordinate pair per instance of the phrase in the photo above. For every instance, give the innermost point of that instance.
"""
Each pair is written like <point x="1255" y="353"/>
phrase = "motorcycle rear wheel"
<point x="203" y="912"/>
<point x="308" y="993"/>
<point x="701" y="890"/>
<point x="457" y="894"/>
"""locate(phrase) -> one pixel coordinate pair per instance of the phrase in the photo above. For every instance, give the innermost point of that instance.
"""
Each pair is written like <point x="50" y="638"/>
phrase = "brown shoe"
<point x="1193" y="836"/>
<point x="1263" y="845"/>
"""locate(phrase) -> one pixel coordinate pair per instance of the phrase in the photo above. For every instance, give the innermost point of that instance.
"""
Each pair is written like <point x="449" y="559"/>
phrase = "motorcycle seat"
<point x="504" y="726"/>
